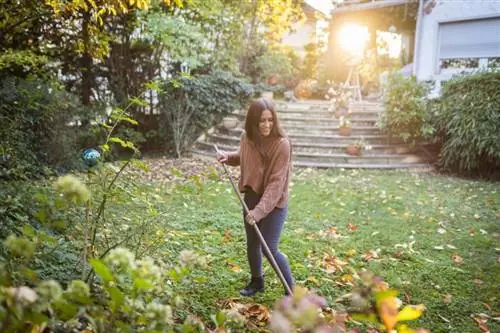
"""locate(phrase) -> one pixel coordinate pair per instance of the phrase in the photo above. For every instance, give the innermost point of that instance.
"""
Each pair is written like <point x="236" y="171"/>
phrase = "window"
<point x="469" y="45"/>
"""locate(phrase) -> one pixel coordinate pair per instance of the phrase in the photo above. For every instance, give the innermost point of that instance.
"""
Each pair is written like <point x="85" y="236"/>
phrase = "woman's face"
<point x="266" y="123"/>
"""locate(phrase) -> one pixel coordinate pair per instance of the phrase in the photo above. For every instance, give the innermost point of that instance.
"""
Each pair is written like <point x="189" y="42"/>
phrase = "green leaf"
<point x="381" y="295"/>
<point x="218" y="319"/>
<point x="101" y="270"/>
<point x="138" y="101"/>
<point x="153" y="85"/>
<point x="364" y="317"/>
<point x="41" y="216"/>
<point x="142" y="284"/>
<point x="29" y="231"/>
<point x="140" y="165"/>
<point x="117" y="298"/>
<point x="410" y="312"/>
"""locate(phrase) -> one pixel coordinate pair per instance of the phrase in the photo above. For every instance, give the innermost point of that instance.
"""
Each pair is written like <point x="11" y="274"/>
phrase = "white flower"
<point x="49" y="290"/>
<point x="24" y="295"/>
<point x="159" y="312"/>
<point x="120" y="259"/>
<point x="147" y="269"/>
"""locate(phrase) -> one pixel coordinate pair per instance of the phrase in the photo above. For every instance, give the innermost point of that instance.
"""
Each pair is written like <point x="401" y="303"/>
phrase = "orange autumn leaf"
<point x="233" y="266"/>
<point x="332" y="264"/>
<point x="351" y="227"/>
<point x="388" y="312"/>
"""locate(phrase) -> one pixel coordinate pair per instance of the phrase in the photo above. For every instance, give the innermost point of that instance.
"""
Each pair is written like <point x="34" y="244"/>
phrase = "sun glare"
<point x="353" y="38"/>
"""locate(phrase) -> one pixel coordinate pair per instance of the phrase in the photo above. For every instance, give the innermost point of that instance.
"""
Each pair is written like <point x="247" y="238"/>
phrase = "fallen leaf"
<point x="332" y="232"/>
<point x="331" y="263"/>
<point x="312" y="279"/>
<point x="457" y="259"/>
<point x="227" y="236"/>
<point x="441" y="231"/>
<point x="444" y="319"/>
<point x="438" y="247"/>
<point x="350" y="252"/>
<point x="234" y="267"/>
<point x="370" y="255"/>
<point x="351" y="227"/>
<point x="388" y="312"/>
<point x="481" y="323"/>
<point x="410" y="312"/>
<point x="477" y="281"/>
<point x="447" y="298"/>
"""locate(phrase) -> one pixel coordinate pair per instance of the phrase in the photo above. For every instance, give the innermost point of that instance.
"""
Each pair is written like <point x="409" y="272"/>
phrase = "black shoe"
<point x="255" y="285"/>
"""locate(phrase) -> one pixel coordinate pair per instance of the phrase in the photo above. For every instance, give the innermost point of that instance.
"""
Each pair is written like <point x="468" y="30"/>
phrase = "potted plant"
<point x="353" y="149"/>
<point x="357" y="147"/>
<point x="344" y="126"/>
<point x="340" y="98"/>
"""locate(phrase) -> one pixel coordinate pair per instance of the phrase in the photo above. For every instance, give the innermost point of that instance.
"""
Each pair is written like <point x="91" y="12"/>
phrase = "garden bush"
<point x="191" y="105"/>
<point x="468" y="122"/>
<point x="35" y="114"/>
<point x="406" y="116"/>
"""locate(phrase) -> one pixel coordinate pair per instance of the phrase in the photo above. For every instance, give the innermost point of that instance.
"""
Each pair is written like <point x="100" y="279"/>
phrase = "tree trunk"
<point x="250" y="37"/>
<point x="86" y="62"/>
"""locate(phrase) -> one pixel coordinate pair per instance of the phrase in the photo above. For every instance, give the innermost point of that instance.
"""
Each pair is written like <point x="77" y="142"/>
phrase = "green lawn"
<point x="434" y="238"/>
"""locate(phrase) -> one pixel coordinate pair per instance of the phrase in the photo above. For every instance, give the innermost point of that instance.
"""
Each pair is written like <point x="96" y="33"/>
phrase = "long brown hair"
<point x="252" y="119"/>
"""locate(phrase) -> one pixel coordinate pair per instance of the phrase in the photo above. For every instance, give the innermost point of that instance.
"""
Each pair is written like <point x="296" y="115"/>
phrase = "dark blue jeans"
<point x="270" y="228"/>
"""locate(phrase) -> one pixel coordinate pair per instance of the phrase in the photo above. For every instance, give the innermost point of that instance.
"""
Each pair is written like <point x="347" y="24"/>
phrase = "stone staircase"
<point x="313" y="131"/>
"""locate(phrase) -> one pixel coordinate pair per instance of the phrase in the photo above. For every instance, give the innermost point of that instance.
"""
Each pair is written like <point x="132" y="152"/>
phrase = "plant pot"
<point x="345" y="131"/>
<point x="272" y="79"/>
<point x="229" y="123"/>
<point x="353" y="149"/>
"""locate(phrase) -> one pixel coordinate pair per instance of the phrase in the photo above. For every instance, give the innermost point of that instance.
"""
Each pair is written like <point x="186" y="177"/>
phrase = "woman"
<point x="264" y="158"/>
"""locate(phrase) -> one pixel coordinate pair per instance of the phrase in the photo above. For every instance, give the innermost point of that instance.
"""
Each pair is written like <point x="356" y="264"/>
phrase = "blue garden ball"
<point x="91" y="156"/>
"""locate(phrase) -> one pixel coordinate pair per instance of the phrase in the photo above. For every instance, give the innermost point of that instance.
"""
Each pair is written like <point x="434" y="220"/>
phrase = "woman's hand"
<point x="221" y="157"/>
<point x="250" y="220"/>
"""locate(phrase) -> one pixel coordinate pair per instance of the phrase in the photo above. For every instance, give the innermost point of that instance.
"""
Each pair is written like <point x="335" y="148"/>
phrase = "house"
<point x="441" y="37"/>
<point x="454" y="37"/>
<point x="313" y="29"/>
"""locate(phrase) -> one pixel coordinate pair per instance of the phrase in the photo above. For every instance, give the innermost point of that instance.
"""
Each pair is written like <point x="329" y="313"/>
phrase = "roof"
<point x="309" y="9"/>
<point x="359" y="5"/>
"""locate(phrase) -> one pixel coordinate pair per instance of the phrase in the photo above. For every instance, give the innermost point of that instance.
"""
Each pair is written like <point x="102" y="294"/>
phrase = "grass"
<point x="434" y="238"/>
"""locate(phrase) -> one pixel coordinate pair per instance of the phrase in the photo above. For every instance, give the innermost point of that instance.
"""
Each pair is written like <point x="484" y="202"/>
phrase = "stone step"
<point x="324" y="108"/>
<point x="313" y="114"/>
<point x="314" y="132"/>
<point x="351" y="162"/>
<point x="297" y="129"/>
<point x="314" y="148"/>
<point x="420" y="166"/>
<point x="309" y="138"/>
<point x="288" y="120"/>
<point x="344" y="158"/>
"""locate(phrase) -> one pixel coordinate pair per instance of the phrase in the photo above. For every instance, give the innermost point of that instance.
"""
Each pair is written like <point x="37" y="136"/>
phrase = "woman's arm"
<point x="276" y="184"/>
<point x="233" y="159"/>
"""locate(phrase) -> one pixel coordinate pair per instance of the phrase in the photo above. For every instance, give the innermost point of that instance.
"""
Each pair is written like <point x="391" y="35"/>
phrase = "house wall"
<point x="427" y="62"/>
<point x="304" y="33"/>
